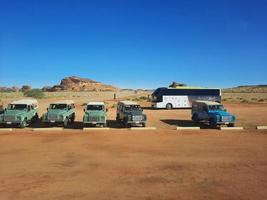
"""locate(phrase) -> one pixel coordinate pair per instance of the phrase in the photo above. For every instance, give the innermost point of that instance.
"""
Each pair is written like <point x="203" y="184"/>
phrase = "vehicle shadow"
<point x="39" y="124"/>
<point x="114" y="124"/>
<point x="186" y="123"/>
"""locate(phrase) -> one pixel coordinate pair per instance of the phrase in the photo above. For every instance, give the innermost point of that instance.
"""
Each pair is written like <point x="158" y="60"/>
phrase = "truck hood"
<point x="14" y="112"/>
<point x="220" y="112"/>
<point x="134" y="113"/>
<point x="95" y="113"/>
<point x="56" y="112"/>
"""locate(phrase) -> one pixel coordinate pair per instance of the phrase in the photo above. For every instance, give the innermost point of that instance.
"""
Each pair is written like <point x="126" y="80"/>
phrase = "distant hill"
<point x="247" y="89"/>
<point x="74" y="83"/>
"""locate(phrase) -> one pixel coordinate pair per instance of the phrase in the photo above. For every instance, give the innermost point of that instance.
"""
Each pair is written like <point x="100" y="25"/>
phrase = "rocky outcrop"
<point x="75" y="83"/>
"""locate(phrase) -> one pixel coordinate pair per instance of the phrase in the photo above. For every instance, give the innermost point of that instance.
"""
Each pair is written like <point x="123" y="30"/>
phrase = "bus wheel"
<point x="169" y="106"/>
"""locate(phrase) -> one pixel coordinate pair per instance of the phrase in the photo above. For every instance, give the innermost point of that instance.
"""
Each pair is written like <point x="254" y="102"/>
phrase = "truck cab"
<point x="95" y="114"/>
<point x="21" y="113"/>
<point x="212" y="112"/>
<point x="61" y="112"/>
<point x="130" y="113"/>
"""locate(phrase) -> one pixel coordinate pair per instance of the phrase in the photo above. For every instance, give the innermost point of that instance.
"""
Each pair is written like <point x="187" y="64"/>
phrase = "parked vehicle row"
<point x="24" y="112"/>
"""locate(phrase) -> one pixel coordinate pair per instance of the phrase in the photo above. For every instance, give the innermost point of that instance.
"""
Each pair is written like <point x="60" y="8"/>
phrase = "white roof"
<point x="25" y="101"/>
<point x="96" y="103"/>
<point x="129" y="103"/>
<point x="209" y="102"/>
<point x="64" y="102"/>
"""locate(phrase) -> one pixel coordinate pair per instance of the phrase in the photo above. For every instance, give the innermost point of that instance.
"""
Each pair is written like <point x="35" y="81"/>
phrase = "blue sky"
<point x="134" y="44"/>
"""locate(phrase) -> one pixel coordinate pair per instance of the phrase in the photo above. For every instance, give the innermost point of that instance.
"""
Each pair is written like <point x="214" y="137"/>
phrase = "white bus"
<point x="182" y="97"/>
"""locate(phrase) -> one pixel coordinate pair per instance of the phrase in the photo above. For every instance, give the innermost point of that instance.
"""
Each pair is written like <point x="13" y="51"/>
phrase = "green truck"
<point x="20" y="113"/>
<point x="95" y="114"/>
<point x="61" y="112"/>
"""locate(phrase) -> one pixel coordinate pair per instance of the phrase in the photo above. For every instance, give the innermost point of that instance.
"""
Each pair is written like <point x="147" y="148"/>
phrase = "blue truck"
<point x="212" y="113"/>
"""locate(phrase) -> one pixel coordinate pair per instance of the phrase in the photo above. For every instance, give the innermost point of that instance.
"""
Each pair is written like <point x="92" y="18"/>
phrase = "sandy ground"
<point x="124" y="164"/>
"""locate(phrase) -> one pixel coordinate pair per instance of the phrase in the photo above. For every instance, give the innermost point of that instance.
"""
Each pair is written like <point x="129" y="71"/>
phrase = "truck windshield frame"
<point x="58" y="106"/>
<point x="17" y="107"/>
<point x="95" y="107"/>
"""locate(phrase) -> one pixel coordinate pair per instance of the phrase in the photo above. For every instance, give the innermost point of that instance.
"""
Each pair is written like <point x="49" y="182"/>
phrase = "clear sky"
<point x="132" y="43"/>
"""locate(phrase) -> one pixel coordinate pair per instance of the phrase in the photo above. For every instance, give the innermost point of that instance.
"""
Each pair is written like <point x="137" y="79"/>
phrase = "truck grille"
<point x="9" y="118"/>
<point x="137" y="118"/>
<point x="52" y="117"/>
<point x="226" y="118"/>
<point x="94" y="118"/>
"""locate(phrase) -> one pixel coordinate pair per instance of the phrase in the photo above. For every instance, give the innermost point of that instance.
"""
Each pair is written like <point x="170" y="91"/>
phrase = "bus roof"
<point x="209" y="103"/>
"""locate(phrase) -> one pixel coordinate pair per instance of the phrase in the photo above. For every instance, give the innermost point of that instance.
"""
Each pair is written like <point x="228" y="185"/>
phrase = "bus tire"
<point x="169" y="106"/>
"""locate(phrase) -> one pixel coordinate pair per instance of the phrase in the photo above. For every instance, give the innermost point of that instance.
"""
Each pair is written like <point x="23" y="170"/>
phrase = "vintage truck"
<point x="60" y="112"/>
<point x="212" y="112"/>
<point x="21" y="113"/>
<point x="130" y="113"/>
<point x="95" y="114"/>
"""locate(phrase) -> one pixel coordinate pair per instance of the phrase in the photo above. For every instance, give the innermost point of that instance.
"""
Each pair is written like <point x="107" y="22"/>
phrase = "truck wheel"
<point x="195" y="118"/>
<point x="231" y="125"/>
<point x="117" y="118"/>
<point x="65" y="123"/>
<point x="35" y="118"/>
<point x="23" y="124"/>
<point x="72" y="118"/>
<point x="144" y="124"/>
<point x="169" y="106"/>
<point x="212" y="123"/>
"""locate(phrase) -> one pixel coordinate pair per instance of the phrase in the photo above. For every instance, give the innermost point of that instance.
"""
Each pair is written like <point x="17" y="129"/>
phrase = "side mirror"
<point x="106" y="110"/>
<point x="47" y="109"/>
<point x="84" y="110"/>
<point x="5" y="109"/>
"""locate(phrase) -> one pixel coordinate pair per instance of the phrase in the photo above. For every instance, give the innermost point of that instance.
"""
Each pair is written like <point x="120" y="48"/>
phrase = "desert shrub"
<point x="25" y="88"/>
<point x="35" y="93"/>
<point x="244" y="101"/>
<point x="261" y="100"/>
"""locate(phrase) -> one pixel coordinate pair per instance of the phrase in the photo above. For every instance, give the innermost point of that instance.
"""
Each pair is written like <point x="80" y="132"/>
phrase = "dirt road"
<point x="123" y="164"/>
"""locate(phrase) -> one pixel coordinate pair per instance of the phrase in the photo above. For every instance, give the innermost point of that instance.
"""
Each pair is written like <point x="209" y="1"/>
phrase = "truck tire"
<point x="169" y="106"/>
<point x="144" y="124"/>
<point x="35" y="118"/>
<point x="212" y="123"/>
<point x="195" y="118"/>
<point x="73" y="118"/>
<point x="118" y="118"/>
<point x="65" y="123"/>
<point x="231" y="125"/>
<point x="23" y="124"/>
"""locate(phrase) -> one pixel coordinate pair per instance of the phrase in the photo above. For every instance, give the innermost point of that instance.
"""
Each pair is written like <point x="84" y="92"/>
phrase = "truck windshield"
<point x="58" y="106"/>
<point x="95" y="107"/>
<point x="132" y="107"/>
<point x="216" y="107"/>
<point x="17" y="106"/>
